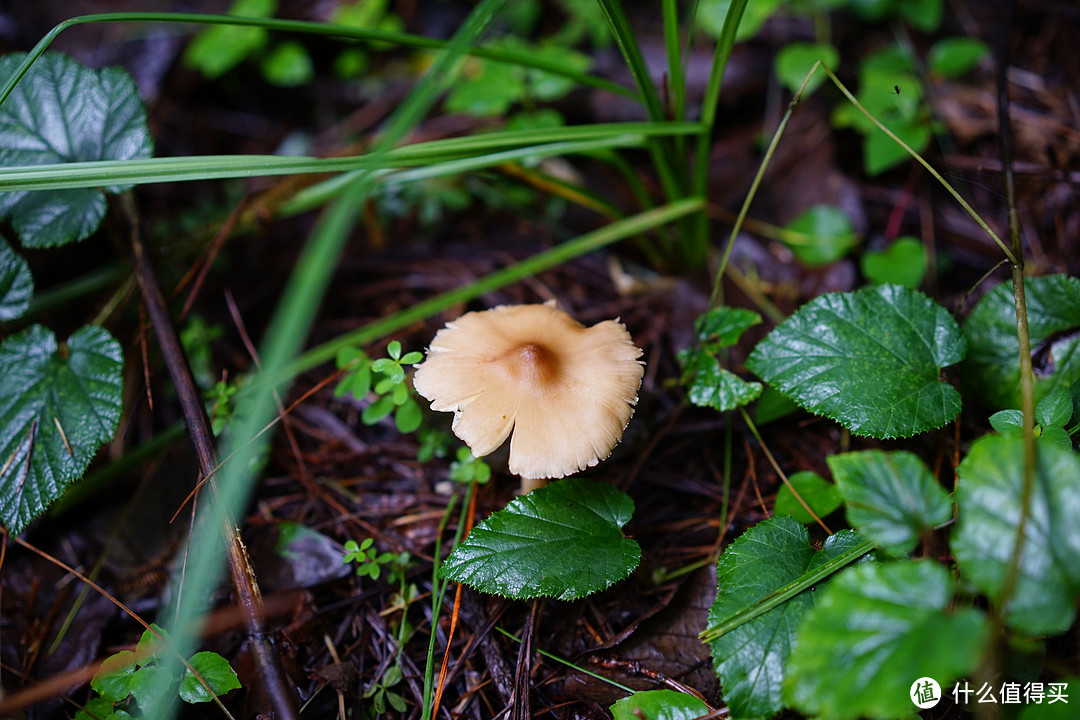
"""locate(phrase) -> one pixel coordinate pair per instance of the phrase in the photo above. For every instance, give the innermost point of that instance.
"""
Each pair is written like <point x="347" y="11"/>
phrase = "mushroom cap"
<point x="566" y="391"/>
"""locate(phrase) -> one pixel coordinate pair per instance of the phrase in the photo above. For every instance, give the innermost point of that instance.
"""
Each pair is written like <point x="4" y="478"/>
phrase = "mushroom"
<point x="565" y="391"/>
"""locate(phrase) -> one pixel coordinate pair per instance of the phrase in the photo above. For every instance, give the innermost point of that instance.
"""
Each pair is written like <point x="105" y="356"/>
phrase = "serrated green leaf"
<point x="750" y="658"/>
<point x="658" y="705"/>
<point x="711" y="385"/>
<point x="62" y="112"/>
<point x="891" y="497"/>
<point x="795" y="59"/>
<point x="822" y="497"/>
<point x="902" y="263"/>
<point x="868" y="359"/>
<point x="820" y="235"/>
<point x="875" y="629"/>
<point x="723" y="326"/>
<point x="215" y="671"/>
<point x="992" y="368"/>
<point x="57" y="406"/>
<point x="16" y="283"/>
<point x="562" y="541"/>
<point x="1055" y="409"/>
<point x="112" y="680"/>
<point x="952" y="57"/>
<point x="989" y="498"/>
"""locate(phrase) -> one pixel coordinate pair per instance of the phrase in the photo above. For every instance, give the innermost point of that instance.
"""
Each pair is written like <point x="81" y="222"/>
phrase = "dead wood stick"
<point x="249" y="599"/>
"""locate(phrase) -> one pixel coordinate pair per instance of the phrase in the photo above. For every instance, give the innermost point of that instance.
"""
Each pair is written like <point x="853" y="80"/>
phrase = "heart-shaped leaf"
<point x="215" y="671"/>
<point x="750" y="658"/>
<point x="659" y="705"/>
<point x="992" y="368"/>
<point x="891" y="497"/>
<point x="989" y="498"/>
<point x="16" y="283"/>
<point x="562" y="541"/>
<point x="62" y="112"/>
<point x="57" y="406"/>
<point x="868" y="359"/>
<point x="876" y="628"/>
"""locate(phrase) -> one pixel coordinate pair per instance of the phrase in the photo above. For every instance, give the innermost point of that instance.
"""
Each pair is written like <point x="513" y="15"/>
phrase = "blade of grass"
<point x="514" y="57"/>
<point x="293" y="319"/>
<point x="643" y="222"/>
<point x="547" y="142"/>
<point x="698" y="241"/>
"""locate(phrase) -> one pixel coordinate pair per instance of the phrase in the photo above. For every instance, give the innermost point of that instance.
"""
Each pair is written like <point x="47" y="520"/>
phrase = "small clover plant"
<point x="135" y="684"/>
<point x="371" y="563"/>
<point x="1053" y="413"/>
<point x="387" y="379"/>
<point x="468" y="468"/>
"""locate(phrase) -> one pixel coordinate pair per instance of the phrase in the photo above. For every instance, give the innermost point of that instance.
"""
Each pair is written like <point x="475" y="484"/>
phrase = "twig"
<point x="244" y="583"/>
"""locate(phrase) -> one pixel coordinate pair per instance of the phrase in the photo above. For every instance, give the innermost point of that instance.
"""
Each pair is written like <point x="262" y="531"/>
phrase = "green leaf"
<point x="97" y="709"/>
<point x="881" y="152"/>
<point x="902" y="263"/>
<point x="1055" y="409"/>
<point x="795" y="59"/>
<point x="563" y="540"/>
<point x="16" y="283"/>
<point x="378" y="410"/>
<point x="658" y="705"/>
<point x="486" y="88"/>
<point x="923" y="15"/>
<point x="408" y="416"/>
<point x="712" y="13"/>
<point x="750" y="658"/>
<point x="220" y="48"/>
<point x="1069" y="688"/>
<point x="992" y="368"/>
<point x="819" y="236"/>
<point x="57" y="406"/>
<point x="1009" y="423"/>
<point x="1058" y="436"/>
<point x="875" y="629"/>
<point x="723" y="326"/>
<point x="153" y="688"/>
<point x="215" y="670"/>
<point x="711" y="385"/>
<point x="868" y="359"/>
<point x="62" y="112"/>
<point x="822" y="496"/>
<point x="892" y="498"/>
<point x="151" y="646"/>
<point x="952" y="57"/>
<point x="289" y="65"/>
<point x="112" y="680"/>
<point x="989" y="498"/>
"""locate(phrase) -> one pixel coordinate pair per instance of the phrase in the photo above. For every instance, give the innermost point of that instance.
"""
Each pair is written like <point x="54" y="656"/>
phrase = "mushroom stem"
<point x="530" y="484"/>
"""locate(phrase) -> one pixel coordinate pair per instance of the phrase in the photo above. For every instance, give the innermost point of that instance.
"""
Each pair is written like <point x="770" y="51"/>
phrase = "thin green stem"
<point x="569" y="664"/>
<point x="929" y="168"/>
<point x="557" y="255"/>
<point x="786" y="592"/>
<point x="700" y="239"/>
<point x="741" y="218"/>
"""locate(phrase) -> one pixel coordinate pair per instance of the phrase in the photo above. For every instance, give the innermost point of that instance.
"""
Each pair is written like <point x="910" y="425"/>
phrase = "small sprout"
<point x="468" y="468"/>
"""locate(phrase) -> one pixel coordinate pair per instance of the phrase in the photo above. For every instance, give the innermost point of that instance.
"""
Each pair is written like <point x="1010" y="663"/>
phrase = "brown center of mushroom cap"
<point x="530" y="365"/>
